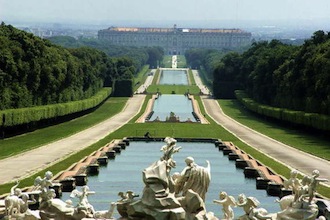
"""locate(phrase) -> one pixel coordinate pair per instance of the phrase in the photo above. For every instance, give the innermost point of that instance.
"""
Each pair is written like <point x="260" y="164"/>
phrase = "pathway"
<point x="32" y="161"/>
<point x="28" y="163"/>
<point x="303" y="162"/>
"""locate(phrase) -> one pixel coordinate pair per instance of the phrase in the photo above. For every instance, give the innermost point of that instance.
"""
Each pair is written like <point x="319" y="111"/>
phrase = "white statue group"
<point x="300" y="205"/>
<point x="166" y="196"/>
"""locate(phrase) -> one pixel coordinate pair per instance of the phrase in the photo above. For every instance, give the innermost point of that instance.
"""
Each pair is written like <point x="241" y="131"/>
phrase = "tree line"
<point x="279" y="75"/>
<point x="139" y="55"/>
<point x="34" y="71"/>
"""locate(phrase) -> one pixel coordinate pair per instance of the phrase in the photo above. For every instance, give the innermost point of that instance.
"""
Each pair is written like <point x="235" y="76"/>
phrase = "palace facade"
<point x="175" y="41"/>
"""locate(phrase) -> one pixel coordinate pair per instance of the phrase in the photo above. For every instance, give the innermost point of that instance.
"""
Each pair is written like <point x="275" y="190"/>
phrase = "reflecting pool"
<point x="173" y="77"/>
<point x="125" y="173"/>
<point x="179" y="104"/>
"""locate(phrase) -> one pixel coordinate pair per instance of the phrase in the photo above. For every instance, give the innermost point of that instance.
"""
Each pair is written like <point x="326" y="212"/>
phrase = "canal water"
<point x="173" y="77"/>
<point x="180" y="105"/>
<point x="125" y="173"/>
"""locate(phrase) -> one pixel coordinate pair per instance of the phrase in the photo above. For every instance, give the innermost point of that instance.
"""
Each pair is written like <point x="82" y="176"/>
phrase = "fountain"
<point x="165" y="196"/>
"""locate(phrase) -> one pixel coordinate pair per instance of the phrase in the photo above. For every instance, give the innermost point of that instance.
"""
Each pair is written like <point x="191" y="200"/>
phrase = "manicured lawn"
<point x="169" y="89"/>
<point x="311" y="143"/>
<point x="141" y="77"/>
<point x="191" y="78"/>
<point x="192" y="130"/>
<point x="28" y="141"/>
<point x="166" y="62"/>
<point x="182" y="63"/>
<point x="162" y="130"/>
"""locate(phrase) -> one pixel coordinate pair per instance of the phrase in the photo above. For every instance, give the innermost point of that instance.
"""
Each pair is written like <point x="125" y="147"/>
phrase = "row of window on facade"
<point x="165" y="39"/>
<point x="189" y="41"/>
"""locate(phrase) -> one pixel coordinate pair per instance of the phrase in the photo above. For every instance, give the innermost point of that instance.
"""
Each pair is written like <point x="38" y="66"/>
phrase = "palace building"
<point x="175" y="41"/>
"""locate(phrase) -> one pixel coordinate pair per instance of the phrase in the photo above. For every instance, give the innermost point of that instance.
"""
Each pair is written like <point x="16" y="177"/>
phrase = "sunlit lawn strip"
<point x="170" y="89"/>
<point x="13" y="146"/>
<point x="156" y="77"/>
<point x="192" y="130"/>
<point x="141" y="77"/>
<point x="310" y="143"/>
<point x="181" y="59"/>
<point x="191" y="77"/>
<point x="167" y="61"/>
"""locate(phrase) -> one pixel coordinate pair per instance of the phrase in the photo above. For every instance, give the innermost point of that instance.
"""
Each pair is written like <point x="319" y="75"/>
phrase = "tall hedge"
<point x="123" y="88"/>
<point x="312" y="120"/>
<point x="14" y="117"/>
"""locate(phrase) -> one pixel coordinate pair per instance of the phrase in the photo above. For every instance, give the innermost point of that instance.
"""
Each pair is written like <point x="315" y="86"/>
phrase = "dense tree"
<point x="34" y="72"/>
<point x="139" y="55"/>
<point x="280" y="75"/>
<point x="155" y="55"/>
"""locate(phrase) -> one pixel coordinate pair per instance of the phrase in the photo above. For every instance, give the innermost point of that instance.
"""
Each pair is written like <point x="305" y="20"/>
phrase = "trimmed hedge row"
<point x="313" y="120"/>
<point x="13" y="117"/>
<point x="123" y="88"/>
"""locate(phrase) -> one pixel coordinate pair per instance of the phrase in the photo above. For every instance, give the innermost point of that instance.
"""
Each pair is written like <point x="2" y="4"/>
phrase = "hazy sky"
<point x="90" y="11"/>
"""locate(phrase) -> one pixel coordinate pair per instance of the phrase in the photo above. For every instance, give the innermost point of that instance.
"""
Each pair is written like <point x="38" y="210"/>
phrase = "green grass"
<point x="191" y="78"/>
<point x="182" y="63"/>
<point x="156" y="76"/>
<point x="141" y="77"/>
<point x="313" y="144"/>
<point x="13" y="146"/>
<point x="310" y="143"/>
<point x="194" y="130"/>
<point x="166" y="62"/>
<point x="179" y="89"/>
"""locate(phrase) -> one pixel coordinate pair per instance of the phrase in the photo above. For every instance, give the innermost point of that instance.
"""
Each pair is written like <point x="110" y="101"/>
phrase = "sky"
<point x="165" y="11"/>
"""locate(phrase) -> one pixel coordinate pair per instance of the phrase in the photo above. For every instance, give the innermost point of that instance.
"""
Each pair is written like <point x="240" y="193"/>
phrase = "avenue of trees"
<point x="35" y="72"/>
<point x="278" y="74"/>
<point x="139" y="55"/>
<point x="41" y="82"/>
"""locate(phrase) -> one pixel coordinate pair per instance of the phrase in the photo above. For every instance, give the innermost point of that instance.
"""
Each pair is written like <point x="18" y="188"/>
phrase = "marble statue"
<point x="106" y="214"/>
<point x="168" y="150"/>
<point x="315" y="180"/>
<point x="301" y="204"/>
<point x="43" y="185"/>
<point x="194" y="177"/>
<point x="166" y="196"/>
<point x="53" y="208"/>
<point x="17" y="204"/>
<point x="293" y="183"/>
<point x="250" y="207"/>
<point x="83" y="199"/>
<point x="227" y="202"/>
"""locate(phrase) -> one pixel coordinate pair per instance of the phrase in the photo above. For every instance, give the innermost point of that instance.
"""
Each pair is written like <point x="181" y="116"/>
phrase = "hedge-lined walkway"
<point x="30" y="162"/>
<point x="303" y="162"/>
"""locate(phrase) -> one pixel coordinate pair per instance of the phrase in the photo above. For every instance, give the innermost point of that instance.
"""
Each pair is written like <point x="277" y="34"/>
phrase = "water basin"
<point x="178" y="104"/>
<point x="173" y="77"/>
<point x="125" y="173"/>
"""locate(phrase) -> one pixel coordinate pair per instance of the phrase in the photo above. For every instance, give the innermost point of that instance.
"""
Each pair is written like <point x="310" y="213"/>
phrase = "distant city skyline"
<point x="211" y="13"/>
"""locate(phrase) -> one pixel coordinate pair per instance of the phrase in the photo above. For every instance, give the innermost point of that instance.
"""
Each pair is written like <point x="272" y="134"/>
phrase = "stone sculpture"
<point x="162" y="197"/>
<point x="180" y="196"/>
<point x="83" y="199"/>
<point x="194" y="177"/>
<point x="227" y="202"/>
<point x="43" y="185"/>
<point x="301" y="204"/>
<point x="53" y="208"/>
<point x="250" y="207"/>
<point x="17" y="204"/>
<point x="293" y="183"/>
<point x="106" y="214"/>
